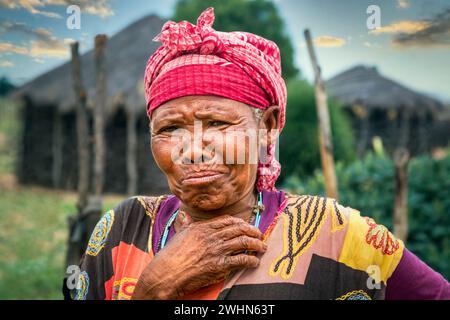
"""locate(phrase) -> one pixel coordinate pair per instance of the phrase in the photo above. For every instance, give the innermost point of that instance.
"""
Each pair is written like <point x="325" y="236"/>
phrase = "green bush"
<point x="368" y="186"/>
<point x="299" y="142"/>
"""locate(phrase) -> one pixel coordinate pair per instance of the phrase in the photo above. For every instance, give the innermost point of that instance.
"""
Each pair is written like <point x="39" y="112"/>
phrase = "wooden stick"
<point x="404" y="127"/>
<point x="99" y="113"/>
<point x="325" y="142"/>
<point x="82" y="130"/>
<point x="400" y="216"/>
<point x="131" y="152"/>
<point x="57" y="145"/>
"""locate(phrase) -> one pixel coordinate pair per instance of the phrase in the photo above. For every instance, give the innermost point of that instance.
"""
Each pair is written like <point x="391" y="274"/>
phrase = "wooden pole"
<point x="422" y="122"/>
<point x="400" y="219"/>
<point x="392" y="131"/>
<point x="325" y="142"/>
<point x="364" y="134"/>
<point x="404" y="128"/>
<point x="82" y="130"/>
<point x="78" y="229"/>
<point x="99" y="113"/>
<point x="131" y="152"/>
<point x="57" y="150"/>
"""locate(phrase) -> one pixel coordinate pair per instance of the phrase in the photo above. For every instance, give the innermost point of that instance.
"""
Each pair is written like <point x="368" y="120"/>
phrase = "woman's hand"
<point x="200" y="254"/>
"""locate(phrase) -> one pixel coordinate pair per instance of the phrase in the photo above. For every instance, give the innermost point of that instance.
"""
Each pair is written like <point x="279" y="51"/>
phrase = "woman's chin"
<point x="204" y="201"/>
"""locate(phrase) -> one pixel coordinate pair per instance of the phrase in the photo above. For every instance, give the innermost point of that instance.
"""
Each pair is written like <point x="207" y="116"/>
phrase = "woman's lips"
<point x="202" y="177"/>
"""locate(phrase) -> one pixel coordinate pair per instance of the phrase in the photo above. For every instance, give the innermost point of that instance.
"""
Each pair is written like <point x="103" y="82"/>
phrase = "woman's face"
<point x="205" y="147"/>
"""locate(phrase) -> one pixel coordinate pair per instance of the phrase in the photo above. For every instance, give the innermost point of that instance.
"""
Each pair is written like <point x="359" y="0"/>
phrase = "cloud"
<point x="403" y="4"/>
<point x="6" y="47"/>
<point x="404" y="26"/>
<point x="42" y="42"/>
<point x="24" y="30"/>
<point x="6" y="64"/>
<point x="101" y="8"/>
<point x="30" y="6"/>
<point x="54" y="48"/>
<point x="435" y="34"/>
<point x="329" y="41"/>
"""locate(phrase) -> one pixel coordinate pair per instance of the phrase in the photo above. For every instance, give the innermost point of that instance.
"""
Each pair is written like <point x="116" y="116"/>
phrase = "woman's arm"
<point x="414" y="280"/>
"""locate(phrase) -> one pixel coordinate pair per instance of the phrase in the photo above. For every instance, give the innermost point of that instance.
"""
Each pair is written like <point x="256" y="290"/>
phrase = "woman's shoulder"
<point x="305" y="204"/>
<point x="139" y="204"/>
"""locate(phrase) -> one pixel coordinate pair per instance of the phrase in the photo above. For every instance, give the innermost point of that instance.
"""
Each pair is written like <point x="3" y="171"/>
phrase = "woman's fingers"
<point x="239" y="261"/>
<point x="185" y="221"/>
<point x="237" y="230"/>
<point x="243" y="243"/>
<point x="223" y="221"/>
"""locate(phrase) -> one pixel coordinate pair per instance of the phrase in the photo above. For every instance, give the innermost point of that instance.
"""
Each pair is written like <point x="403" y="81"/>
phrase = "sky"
<point x="411" y="43"/>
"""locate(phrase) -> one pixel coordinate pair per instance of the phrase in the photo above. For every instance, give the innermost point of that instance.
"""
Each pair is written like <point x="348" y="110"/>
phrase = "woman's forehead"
<point x="201" y="106"/>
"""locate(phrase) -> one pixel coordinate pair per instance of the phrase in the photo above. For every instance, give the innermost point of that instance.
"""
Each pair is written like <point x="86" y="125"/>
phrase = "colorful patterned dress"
<point x="317" y="249"/>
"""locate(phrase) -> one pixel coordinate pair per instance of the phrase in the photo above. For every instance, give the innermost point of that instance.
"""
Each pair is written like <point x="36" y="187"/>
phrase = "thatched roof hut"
<point x="382" y="107"/>
<point x="48" y="155"/>
<point x="126" y="55"/>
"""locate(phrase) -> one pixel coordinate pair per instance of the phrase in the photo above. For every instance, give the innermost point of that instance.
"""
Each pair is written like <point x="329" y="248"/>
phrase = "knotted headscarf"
<point x="198" y="60"/>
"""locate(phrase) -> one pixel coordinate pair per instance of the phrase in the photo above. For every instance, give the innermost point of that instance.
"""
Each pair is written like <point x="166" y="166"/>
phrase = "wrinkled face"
<point x="206" y="167"/>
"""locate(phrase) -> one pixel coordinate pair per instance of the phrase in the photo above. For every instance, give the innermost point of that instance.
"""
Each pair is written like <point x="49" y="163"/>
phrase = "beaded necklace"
<point x="169" y="223"/>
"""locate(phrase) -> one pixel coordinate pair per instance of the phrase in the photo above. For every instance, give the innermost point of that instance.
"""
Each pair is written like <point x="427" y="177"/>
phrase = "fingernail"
<point x="183" y="216"/>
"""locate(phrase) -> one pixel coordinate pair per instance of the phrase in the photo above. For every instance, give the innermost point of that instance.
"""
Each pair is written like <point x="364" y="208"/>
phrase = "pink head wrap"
<point x="197" y="60"/>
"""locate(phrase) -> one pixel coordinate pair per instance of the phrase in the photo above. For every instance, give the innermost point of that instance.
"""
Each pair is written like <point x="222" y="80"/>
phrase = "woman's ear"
<point x="270" y="122"/>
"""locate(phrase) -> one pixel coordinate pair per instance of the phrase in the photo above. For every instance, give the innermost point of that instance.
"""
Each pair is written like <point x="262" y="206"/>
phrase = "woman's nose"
<point x="203" y="158"/>
<point x="198" y="152"/>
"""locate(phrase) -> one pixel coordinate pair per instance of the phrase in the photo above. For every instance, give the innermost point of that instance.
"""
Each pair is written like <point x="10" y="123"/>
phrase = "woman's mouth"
<point x="202" y="177"/>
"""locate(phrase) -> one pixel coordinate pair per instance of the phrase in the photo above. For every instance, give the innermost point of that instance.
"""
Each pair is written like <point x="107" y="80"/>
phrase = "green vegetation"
<point x="9" y="135"/>
<point x="5" y="86"/>
<point x="299" y="143"/>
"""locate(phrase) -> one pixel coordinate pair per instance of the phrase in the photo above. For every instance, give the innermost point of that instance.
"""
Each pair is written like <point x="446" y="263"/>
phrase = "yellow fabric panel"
<point x="370" y="247"/>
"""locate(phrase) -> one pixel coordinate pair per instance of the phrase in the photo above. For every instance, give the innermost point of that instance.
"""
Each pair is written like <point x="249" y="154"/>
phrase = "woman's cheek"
<point x="162" y="153"/>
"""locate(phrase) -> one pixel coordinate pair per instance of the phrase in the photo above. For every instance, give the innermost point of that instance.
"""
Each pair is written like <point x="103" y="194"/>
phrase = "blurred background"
<point x="388" y="97"/>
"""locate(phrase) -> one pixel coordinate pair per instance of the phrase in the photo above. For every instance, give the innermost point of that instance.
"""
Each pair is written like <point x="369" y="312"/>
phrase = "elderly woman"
<point x="226" y="232"/>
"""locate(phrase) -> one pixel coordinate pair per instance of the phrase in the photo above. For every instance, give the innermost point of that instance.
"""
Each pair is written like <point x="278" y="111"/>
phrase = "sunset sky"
<point x="411" y="46"/>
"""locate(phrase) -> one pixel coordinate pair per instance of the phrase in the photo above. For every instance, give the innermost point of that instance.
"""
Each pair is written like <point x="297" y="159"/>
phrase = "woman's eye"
<point x="217" y="123"/>
<point x="168" y="129"/>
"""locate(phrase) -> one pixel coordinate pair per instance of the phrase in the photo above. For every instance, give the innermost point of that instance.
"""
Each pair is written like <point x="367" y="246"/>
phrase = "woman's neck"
<point x="240" y="209"/>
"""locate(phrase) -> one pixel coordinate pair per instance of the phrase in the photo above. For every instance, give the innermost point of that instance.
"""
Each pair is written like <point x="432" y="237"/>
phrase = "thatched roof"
<point x="363" y="85"/>
<point x="126" y="55"/>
